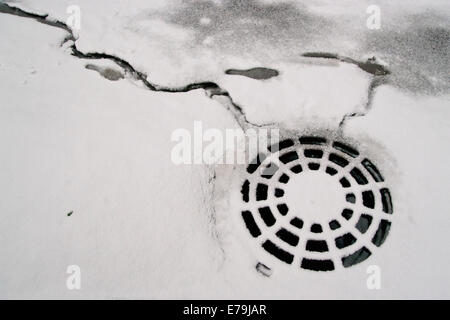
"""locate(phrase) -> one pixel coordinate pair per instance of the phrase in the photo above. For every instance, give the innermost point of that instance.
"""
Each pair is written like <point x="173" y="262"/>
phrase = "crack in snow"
<point x="369" y="66"/>
<point x="374" y="83"/>
<point x="212" y="213"/>
<point x="213" y="91"/>
<point x="211" y="88"/>
<point x="377" y="70"/>
<point x="5" y="8"/>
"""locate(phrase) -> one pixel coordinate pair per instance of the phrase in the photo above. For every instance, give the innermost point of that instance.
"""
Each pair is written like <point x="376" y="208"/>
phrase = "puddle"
<point x="369" y="66"/>
<point x="258" y="73"/>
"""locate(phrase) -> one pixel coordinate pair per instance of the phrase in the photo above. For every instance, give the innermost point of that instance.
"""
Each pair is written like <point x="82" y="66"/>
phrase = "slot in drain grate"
<point x="317" y="204"/>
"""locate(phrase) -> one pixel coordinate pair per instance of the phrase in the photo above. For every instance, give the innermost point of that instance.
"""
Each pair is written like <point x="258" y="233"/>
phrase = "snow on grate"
<point x="316" y="204"/>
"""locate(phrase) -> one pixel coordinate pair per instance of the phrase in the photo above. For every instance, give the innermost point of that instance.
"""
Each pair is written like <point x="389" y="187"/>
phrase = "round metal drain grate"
<point x="316" y="203"/>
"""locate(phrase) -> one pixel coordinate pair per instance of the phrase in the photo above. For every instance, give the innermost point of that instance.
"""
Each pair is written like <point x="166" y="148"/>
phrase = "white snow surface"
<point x="143" y="227"/>
<point x="73" y="141"/>
<point x="311" y="91"/>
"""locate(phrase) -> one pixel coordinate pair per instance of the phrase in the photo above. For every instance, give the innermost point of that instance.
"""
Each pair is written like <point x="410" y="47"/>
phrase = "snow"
<point x="414" y="132"/>
<point x="67" y="136"/>
<point x="143" y="227"/>
<point x="168" y="40"/>
<point x="309" y="91"/>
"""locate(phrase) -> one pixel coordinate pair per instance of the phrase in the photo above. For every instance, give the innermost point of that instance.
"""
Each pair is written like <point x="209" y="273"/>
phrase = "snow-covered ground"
<point x="143" y="227"/>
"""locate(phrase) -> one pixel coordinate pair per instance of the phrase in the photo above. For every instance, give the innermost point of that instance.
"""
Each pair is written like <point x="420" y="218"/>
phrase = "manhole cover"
<point x="316" y="204"/>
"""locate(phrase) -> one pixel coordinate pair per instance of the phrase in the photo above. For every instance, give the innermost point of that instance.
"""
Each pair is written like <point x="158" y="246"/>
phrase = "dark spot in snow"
<point x="70" y="213"/>
<point x="325" y="55"/>
<point x="374" y="68"/>
<point x="106" y="72"/>
<point x="263" y="269"/>
<point x="258" y="73"/>
<point x="370" y="65"/>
